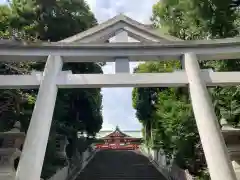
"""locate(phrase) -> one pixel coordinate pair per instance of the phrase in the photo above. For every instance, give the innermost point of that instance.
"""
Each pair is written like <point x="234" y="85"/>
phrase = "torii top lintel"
<point x="104" y="31"/>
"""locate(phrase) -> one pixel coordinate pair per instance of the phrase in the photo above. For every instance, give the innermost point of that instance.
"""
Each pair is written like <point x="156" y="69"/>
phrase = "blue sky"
<point x="117" y="102"/>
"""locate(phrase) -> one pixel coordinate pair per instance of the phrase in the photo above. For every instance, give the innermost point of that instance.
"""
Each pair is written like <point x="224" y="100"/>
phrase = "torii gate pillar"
<point x="31" y="161"/>
<point x="215" y="150"/>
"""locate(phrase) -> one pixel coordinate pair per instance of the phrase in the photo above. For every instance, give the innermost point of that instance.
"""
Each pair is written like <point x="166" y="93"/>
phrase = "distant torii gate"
<point x="153" y="46"/>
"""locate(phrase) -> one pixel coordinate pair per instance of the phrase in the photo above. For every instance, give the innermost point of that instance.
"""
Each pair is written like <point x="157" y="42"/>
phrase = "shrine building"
<point x="118" y="139"/>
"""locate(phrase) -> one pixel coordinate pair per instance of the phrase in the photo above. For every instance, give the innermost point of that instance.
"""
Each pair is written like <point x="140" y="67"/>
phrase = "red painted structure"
<point x="119" y="140"/>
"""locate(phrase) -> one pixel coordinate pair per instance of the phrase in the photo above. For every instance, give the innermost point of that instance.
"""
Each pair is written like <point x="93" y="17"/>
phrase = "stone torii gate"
<point x="90" y="46"/>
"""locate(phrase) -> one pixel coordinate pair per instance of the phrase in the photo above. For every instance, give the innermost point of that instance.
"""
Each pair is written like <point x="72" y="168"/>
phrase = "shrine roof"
<point x="125" y="133"/>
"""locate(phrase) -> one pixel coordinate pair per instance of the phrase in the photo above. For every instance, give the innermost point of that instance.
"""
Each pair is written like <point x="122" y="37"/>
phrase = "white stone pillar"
<point x="121" y="64"/>
<point x="212" y="140"/>
<point x="31" y="161"/>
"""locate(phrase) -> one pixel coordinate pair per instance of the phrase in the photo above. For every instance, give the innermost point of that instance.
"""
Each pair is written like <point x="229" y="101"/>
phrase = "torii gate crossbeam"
<point x="74" y="52"/>
<point x="69" y="80"/>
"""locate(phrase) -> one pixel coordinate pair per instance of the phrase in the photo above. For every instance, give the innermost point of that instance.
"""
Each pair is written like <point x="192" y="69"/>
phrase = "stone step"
<point x="120" y="165"/>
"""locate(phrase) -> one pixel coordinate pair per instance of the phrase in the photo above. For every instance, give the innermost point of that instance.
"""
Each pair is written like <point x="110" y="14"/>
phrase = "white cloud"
<point x="3" y="1"/>
<point x="137" y="9"/>
<point x="117" y="102"/>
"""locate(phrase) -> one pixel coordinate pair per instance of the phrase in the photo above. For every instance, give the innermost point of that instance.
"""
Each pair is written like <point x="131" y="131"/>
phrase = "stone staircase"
<point x="120" y="165"/>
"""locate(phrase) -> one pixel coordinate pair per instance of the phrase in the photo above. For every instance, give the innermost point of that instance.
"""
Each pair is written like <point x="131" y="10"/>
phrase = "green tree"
<point x="54" y="21"/>
<point x="77" y="109"/>
<point x="144" y="99"/>
<point x="5" y="13"/>
<point x="173" y="122"/>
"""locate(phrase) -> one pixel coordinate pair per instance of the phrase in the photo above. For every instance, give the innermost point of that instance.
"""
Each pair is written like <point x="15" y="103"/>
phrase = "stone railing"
<point x="61" y="174"/>
<point x="231" y="136"/>
<point x="170" y="172"/>
<point x="75" y="169"/>
<point x="177" y="173"/>
<point x="72" y="170"/>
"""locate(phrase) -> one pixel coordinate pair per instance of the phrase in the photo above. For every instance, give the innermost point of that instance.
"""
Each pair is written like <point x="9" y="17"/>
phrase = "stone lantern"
<point x="61" y="144"/>
<point x="10" y="151"/>
<point x="82" y="142"/>
<point x="232" y="139"/>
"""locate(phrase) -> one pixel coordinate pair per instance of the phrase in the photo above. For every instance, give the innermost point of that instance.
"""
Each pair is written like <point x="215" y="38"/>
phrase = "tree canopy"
<point x="76" y="109"/>
<point x="168" y="110"/>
